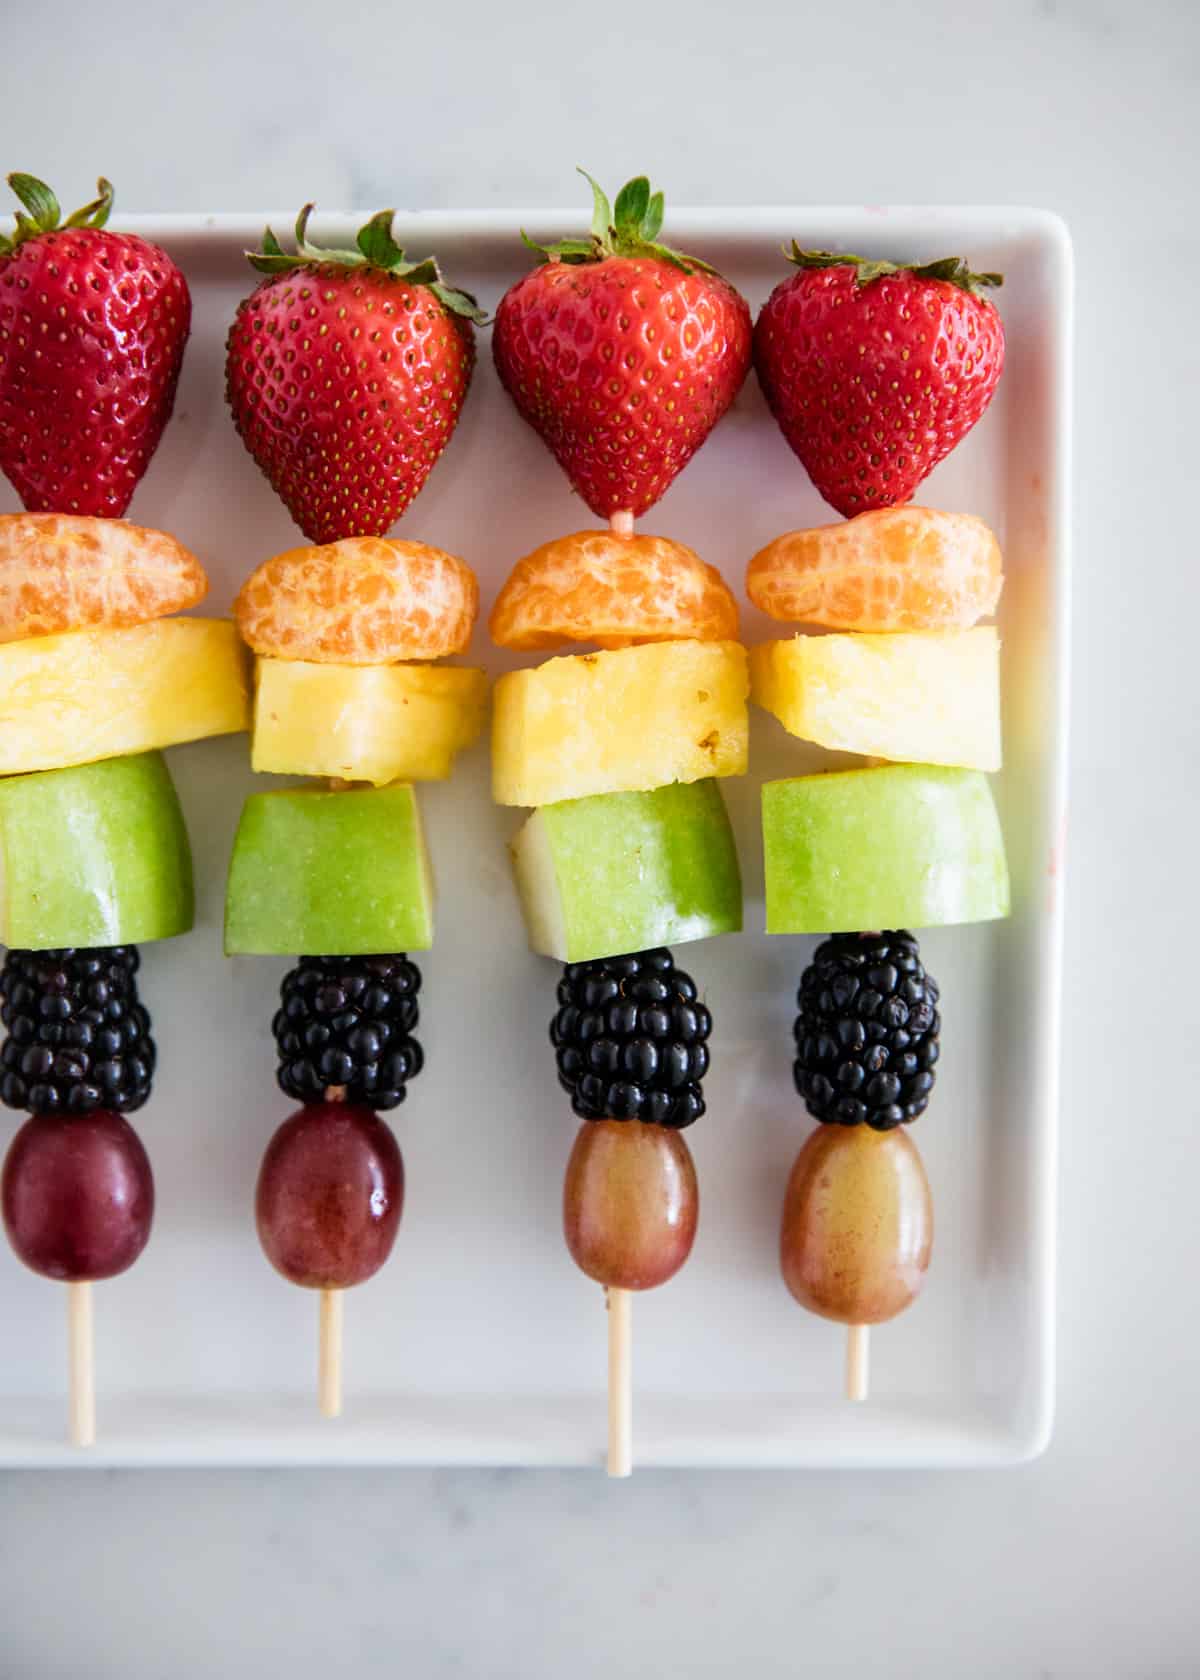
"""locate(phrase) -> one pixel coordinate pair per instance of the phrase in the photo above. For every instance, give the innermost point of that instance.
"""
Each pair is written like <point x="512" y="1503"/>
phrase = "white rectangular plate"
<point x="480" y="1343"/>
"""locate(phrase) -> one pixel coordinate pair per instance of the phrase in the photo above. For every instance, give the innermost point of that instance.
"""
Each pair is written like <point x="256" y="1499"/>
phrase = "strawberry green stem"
<point x="375" y="247"/>
<point x="956" y="270"/>
<point x="41" y="213"/>
<point x="627" y="228"/>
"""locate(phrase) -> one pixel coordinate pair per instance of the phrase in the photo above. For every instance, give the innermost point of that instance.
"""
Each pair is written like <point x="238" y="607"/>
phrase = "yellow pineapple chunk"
<point x="365" y="723"/>
<point x="620" y="722"/>
<point x="925" y="697"/>
<point x="92" y="694"/>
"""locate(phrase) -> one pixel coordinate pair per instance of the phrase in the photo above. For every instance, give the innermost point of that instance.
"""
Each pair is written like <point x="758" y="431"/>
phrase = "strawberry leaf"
<point x="40" y="202"/>
<point x="376" y="247"/>
<point x="652" y="221"/>
<point x="602" y="216"/>
<point x="629" y="228"/>
<point x="95" y="214"/>
<point x="40" y="212"/>
<point x="955" y="270"/>
<point x="633" y="201"/>
<point x="376" y="243"/>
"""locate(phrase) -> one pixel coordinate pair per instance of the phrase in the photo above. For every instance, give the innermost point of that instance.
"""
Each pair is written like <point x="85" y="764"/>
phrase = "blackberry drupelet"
<point x="867" y="1031"/>
<point x="347" y="1022"/>
<point x="78" y="1036"/>
<point x="630" y="1039"/>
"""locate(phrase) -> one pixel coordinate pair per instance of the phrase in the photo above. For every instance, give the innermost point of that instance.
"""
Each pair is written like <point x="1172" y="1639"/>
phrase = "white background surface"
<point x="1082" y="1564"/>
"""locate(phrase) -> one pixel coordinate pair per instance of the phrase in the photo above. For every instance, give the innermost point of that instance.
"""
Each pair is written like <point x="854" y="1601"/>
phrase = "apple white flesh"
<point x="321" y="873"/>
<point x="621" y="872"/>
<point x="905" y="845"/>
<point x="96" y="854"/>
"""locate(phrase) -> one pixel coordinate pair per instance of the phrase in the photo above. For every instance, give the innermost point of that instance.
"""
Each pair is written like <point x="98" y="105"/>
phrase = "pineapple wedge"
<point x="365" y="723"/>
<point x="923" y="697"/>
<point x="92" y="694"/>
<point x="620" y="722"/>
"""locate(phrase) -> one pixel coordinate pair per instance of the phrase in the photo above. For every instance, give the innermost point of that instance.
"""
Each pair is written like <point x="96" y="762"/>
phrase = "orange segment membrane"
<point x="614" y="591"/>
<point x="362" y="601"/>
<point x="902" y="568"/>
<point x="61" y="572"/>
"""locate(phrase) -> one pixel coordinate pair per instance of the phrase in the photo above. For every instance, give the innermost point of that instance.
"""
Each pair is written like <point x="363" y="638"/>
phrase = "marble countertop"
<point x="1081" y="1564"/>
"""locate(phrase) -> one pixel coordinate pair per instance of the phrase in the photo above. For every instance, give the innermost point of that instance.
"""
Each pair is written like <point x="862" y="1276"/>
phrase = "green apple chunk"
<point x="93" y="855"/>
<point x="329" y="874"/>
<point x="621" y="872"/>
<point x="907" y="845"/>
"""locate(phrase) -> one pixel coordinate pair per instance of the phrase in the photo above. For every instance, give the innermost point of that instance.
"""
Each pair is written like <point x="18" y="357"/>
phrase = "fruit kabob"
<point x="623" y="354"/>
<point x="95" y="679"/>
<point x="875" y="371"/>
<point x="346" y="374"/>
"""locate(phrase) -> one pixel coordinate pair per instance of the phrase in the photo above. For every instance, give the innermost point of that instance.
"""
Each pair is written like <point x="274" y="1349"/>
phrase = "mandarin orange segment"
<point x="362" y="601"/>
<point x="615" y="591"/>
<point x="900" y="568"/>
<point x="62" y="572"/>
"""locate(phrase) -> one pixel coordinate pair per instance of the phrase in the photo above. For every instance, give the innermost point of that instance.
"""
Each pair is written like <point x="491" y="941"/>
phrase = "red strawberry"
<point x="346" y="373"/>
<point x="621" y="353"/>
<point x="875" y="372"/>
<point x="92" y="330"/>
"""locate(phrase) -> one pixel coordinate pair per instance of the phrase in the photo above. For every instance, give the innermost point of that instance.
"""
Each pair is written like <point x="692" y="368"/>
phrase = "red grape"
<point x="78" y="1195"/>
<point x="857" y="1224"/>
<point x="330" y="1191"/>
<point x="630" y="1202"/>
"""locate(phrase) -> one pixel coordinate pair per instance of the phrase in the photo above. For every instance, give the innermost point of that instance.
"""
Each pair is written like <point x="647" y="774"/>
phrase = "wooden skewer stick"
<point x="81" y="1366"/>
<point x="329" y="1356"/>
<point x="329" y="1334"/>
<point x="621" y="523"/>
<point x="620" y="1386"/>
<point x="858" y="1361"/>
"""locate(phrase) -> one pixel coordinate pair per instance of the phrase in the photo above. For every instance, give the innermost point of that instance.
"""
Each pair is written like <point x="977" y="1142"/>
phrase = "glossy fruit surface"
<point x="91" y="694"/>
<point x="92" y="330"/>
<point x="65" y="572"/>
<point x="362" y="601"/>
<point x="857" y="1226"/>
<point x="77" y="1195"/>
<point x="365" y="723"/>
<point x="622" y="354"/>
<point x="97" y="854"/>
<point x="624" y="872"/>
<point x="902" y="568"/>
<point x="346" y="372"/>
<point x="330" y="1192"/>
<point x="597" y="586"/>
<point x="630" y="1203"/>
<point x="319" y="872"/>
<point x="919" y="697"/>
<point x="619" y="722"/>
<point x="875" y="372"/>
<point x="899" y="845"/>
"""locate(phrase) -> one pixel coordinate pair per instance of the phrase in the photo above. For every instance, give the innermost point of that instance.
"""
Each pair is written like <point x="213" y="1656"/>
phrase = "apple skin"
<point x="857" y="1230"/>
<point x="905" y="845"/>
<point x="622" y="872"/>
<point x="93" y="855"/>
<point x="314" y="871"/>
<point x="630" y="1203"/>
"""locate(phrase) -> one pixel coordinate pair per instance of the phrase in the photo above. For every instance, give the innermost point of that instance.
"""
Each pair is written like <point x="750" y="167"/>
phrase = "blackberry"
<point x="348" y="1022"/>
<point x="630" y="1038"/>
<point x="78" y="1036"/>
<point x="867" y="1031"/>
